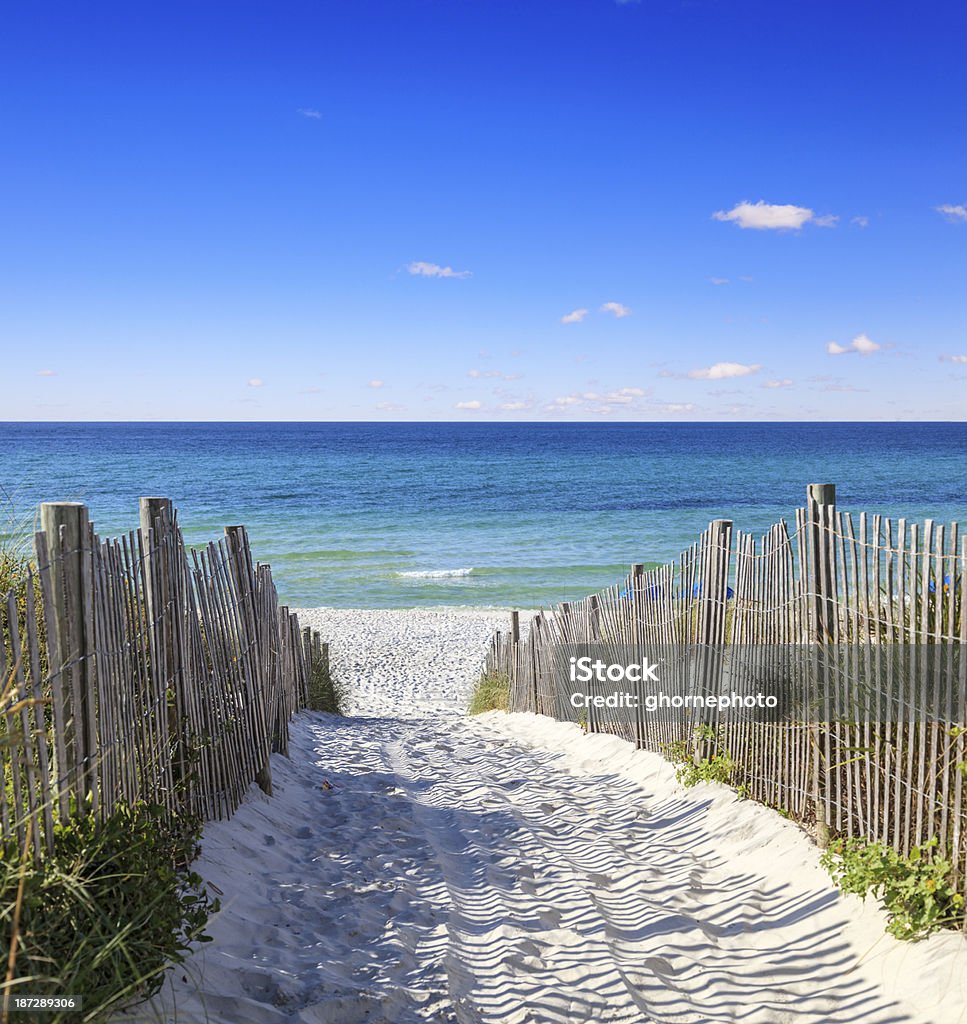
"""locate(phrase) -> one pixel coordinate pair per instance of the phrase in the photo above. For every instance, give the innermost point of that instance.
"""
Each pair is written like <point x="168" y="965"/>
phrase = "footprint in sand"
<point x="550" y="918"/>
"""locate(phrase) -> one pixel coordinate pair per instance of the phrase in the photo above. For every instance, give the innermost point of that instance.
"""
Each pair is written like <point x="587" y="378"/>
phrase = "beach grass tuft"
<point x="326" y="693"/>
<point x="492" y="693"/>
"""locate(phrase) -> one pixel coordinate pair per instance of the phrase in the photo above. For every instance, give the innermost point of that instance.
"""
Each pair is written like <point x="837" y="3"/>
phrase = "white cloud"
<point x="514" y="406"/>
<point x="310" y="112"/>
<point x="675" y="407"/>
<point x="860" y="221"/>
<point x="469" y="405"/>
<point x="605" y="402"/>
<point x="720" y="371"/>
<point x="719" y="280"/>
<point x="46" y="373"/>
<point x="865" y="345"/>
<point x="828" y="220"/>
<point x="255" y="382"/>
<point x="861" y="343"/>
<point x="767" y="216"/>
<point x="953" y="359"/>
<point x="376" y="384"/>
<point x="617" y="308"/>
<point x="476" y="374"/>
<point x="421" y="269"/>
<point x="574" y="317"/>
<point x="956" y="214"/>
<point x="784" y="383"/>
<point x="390" y="407"/>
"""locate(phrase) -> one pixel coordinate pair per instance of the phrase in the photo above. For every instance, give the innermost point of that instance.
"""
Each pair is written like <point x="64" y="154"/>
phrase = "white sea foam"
<point x="435" y="574"/>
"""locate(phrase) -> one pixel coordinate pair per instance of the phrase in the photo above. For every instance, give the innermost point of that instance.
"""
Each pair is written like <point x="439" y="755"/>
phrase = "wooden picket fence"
<point x="139" y="670"/>
<point x="863" y="586"/>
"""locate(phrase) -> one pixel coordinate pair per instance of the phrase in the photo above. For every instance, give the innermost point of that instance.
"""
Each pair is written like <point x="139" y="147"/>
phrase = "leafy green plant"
<point x="718" y="766"/>
<point x="492" y="693"/>
<point x="106" y="913"/>
<point x="915" y="890"/>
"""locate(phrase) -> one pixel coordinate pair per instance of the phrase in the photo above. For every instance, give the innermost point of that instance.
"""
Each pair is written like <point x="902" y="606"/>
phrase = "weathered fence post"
<point x="243" y="576"/>
<point x="156" y="518"/>
<point x="70" y="619"/>
<point x="823" y="621"/>
<point x="154" y="514"/>
<point x="713" y="598"/>
<point x="821" y="578"/>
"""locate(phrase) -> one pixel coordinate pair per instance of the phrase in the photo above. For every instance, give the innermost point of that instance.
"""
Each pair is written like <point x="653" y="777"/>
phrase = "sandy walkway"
<point x="429" y="867"/>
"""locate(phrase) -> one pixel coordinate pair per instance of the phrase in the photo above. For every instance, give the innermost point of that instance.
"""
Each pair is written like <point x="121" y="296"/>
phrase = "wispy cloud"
<point x="718" y="280"/>
<point x="785" y="382"/>
<point x="472" y="405"/>
<point x="953" y="359"/>
<point x="721" y="371"/>
<point x="595" y="401"/>
<point x="861" y="343"/>
<point x="617" y="308"/>
<point x="46" y="373"/>
<point x="955" y="214"/>
<point x="763" y="216"/>
<point x="310" y="112"/>
<point x="310" y="391"/>
<point x="675" y="407"/>
<point x="479" y="374"/>
<point x="421" y="269"/>
<point x="514" y="406"/>
<point x="390" y="407"/>
<point x="860" y="221"/>
<point x="377" y="384"/>
<point x="255" y="382"/>
<point x="574" y="317"/>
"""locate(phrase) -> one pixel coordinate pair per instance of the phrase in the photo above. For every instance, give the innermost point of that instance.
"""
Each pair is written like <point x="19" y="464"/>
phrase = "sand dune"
<point x="415" y="865"/>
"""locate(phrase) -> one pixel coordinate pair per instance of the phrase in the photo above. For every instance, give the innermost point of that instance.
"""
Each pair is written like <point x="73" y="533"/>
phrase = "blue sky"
<point x="398" y="210"/>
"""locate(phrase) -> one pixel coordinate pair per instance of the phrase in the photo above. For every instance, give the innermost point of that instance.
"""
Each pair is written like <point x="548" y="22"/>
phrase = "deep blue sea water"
<point x="371" y="515"/>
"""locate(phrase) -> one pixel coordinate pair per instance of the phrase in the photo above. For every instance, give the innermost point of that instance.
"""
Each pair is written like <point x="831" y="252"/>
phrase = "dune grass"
<point x="326" y="693"/>
<point x="104" y="915"/>
<point x="492" y="693"/>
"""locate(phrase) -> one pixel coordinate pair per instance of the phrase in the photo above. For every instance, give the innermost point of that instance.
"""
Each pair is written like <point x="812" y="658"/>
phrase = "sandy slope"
<point x="421" y="866"/>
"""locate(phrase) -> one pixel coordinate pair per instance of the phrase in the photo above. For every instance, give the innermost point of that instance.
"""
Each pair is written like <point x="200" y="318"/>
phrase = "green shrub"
<point x="718" y="767"/>
<point x="492" y="693"/>
<point x="106" y="912"/>
<point x="915" y="890"/>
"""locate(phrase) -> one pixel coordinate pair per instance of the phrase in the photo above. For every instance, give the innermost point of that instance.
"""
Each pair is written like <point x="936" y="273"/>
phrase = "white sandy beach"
<point x="415" y="865"/>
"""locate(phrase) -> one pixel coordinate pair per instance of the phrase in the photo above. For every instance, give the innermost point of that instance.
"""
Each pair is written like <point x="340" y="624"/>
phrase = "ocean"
<point x="402" y="515"/>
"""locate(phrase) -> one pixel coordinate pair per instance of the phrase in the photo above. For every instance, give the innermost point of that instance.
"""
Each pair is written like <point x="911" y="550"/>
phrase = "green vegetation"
<point x="492" y="693"/>
<point x="325" y="692"/>
<point x="717" y="766"/>
<point x="105" y="913"/>
<point x="915" y="890"/>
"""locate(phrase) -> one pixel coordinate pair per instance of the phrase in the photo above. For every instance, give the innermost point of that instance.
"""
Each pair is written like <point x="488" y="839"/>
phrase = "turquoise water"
<point x="407" y="514"/>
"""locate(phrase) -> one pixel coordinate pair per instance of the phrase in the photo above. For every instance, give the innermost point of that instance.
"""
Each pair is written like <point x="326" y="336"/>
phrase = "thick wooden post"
<point x="823" y="620"/>
<point x="717" y="554"/>
<point x="66" y="527"/>
<point x="155" y="514"/>
<point x="821" y="578"/>
<point x="243" y="576"/>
